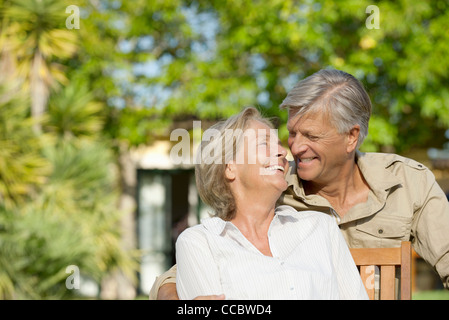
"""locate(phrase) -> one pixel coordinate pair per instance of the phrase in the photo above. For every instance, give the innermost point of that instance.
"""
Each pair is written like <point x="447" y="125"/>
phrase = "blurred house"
<point x="439" y="158"/>
<point x="167" y="202"/>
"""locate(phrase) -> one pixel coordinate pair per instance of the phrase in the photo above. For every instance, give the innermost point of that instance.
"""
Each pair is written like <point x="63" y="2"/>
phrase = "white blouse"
<point x="310" y="260"/>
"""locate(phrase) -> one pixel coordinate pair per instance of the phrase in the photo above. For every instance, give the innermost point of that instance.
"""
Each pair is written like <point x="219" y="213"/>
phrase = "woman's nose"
<point x="282" y="152"/>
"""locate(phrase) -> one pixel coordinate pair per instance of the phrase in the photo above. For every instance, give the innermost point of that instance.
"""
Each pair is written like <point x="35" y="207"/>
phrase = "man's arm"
<point x="430" y="228"/>
<point x="167" y="292"/>
<point x="164" y="288"/>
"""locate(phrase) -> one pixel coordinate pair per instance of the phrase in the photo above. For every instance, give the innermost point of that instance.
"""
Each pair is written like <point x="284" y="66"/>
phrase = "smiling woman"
<point x="250" y="248"/>
<point x="225" y="147"/>
<point x="261" y="174"/>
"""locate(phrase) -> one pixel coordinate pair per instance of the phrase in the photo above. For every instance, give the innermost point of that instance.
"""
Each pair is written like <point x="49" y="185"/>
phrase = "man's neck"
<point x="342" y="192"/>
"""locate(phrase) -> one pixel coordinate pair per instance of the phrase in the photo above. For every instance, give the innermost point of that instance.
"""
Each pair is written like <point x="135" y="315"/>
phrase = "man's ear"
<point x="230" y="171"/>
<point x="353" y="138"/>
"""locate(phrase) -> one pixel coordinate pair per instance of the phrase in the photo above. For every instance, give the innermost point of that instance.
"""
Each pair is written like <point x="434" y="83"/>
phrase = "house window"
<point x="168" y="203"/>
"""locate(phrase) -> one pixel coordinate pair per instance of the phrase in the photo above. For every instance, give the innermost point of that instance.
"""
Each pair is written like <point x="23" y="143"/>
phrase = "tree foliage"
<point x="58" y="185"/>
<point x="210" y="58"/>
<point x="134" y="70"/>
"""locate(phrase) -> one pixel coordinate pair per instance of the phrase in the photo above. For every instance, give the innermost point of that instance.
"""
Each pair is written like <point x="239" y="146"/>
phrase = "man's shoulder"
<point x="389" y="160"/>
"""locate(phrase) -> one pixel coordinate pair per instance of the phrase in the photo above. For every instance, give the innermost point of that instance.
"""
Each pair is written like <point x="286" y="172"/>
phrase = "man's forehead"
<point x="292" y="113"/>
<point x="315" y="117"/>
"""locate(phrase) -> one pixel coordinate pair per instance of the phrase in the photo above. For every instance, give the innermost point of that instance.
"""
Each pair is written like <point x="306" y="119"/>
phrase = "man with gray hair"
<point x="377" y="199"/>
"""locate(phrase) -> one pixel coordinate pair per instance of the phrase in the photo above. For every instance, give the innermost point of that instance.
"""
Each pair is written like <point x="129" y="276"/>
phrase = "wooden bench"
<point x="385" y="261"/>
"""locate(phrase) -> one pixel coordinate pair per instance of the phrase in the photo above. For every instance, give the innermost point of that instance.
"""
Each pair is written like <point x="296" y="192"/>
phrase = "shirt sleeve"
<point x="430" y="227"/>
<point x="167" y="277"/>
<point x="198" y="273"/>
<point x="350" y="284"/>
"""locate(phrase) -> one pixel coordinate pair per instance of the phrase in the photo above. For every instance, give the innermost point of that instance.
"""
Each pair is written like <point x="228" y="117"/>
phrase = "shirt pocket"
<point x="383" y="231"/>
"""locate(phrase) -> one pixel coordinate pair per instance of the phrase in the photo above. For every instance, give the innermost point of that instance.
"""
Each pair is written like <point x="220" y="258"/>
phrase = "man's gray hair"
<point x="340" y="95"/>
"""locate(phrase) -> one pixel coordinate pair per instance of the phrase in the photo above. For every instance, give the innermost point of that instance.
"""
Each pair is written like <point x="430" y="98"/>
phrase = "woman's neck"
<point x="253" y="219"/>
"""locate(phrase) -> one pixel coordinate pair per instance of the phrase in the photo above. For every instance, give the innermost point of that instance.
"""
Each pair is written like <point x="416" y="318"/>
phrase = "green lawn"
<point x="431" y="295"/>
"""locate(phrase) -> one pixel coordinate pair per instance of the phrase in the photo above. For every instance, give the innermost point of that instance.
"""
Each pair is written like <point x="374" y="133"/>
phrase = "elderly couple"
<point x="282" y="231"/>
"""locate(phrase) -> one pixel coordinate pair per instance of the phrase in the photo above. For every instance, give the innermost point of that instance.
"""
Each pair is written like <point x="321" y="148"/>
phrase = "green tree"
<point x="213" y="57"/>
<point x="23" y="169"/>
<point x="76" y="196"/>
<point x="59" y="198"/>
<point x="137" y="69"/>
<point x="36" y="41"/>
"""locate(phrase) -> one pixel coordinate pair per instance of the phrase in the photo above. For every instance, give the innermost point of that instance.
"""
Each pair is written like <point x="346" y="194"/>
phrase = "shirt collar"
<point x="217" y="225"/>
<point x="293" y="180"/>
<point x="375" y="173"/>
<point x="284" y="212"/>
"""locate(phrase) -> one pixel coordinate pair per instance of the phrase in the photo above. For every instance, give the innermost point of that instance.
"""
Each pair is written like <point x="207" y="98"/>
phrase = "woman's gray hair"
<point x="340" y="95"/>
<point x="224" y="139"/>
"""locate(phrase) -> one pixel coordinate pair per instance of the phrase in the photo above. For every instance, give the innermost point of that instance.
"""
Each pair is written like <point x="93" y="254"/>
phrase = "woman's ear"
<point x="353" y="138"/>
<point x="230" y="171"/>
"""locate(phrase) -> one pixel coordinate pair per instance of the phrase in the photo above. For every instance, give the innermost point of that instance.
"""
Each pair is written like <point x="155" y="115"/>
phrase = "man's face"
<point x="318" y="149"/>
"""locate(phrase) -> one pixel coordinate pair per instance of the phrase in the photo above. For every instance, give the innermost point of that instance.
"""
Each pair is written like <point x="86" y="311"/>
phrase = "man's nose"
<point x="298" y="145"/>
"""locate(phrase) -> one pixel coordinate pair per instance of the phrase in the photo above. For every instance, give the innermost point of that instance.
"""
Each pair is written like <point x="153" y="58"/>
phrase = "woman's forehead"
<point x="261" y="129"/>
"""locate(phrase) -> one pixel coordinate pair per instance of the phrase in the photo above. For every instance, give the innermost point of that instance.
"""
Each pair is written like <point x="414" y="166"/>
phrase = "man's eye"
<point x="291" y="134"/>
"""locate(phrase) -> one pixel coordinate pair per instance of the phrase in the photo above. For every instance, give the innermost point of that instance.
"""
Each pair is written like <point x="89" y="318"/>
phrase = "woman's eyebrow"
<point x="268" y="137"/>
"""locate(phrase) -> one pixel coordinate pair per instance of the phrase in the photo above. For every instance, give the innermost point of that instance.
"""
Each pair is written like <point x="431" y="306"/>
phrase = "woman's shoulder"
<point x="200" y="231"/>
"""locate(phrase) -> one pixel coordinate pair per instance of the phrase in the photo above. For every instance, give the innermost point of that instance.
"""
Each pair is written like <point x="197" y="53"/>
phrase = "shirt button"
<point x="380" y="231"/>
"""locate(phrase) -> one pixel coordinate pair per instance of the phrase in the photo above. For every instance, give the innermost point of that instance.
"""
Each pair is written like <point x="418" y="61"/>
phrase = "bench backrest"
<point x="385" y="261"/>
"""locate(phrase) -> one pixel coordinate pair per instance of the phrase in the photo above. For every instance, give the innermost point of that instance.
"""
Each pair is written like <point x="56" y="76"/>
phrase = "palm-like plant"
<point x="37" y="245"/>
<point x="72" y="220"/>
<point x="82" y="189"/>
<point x="22" y="167"/>
<point x="73" y="112"/>
<point x="34" y="37"/>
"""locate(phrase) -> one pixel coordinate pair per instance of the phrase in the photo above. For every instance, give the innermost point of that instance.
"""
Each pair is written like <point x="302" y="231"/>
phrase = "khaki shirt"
<point x="405" y="203"/>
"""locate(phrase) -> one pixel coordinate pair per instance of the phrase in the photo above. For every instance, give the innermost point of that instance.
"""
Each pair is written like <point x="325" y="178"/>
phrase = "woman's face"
<point x="260" y="160"/>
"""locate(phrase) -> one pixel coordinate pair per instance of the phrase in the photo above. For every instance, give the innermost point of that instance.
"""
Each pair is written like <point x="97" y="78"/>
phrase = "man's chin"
<point x="305" y="177"/>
